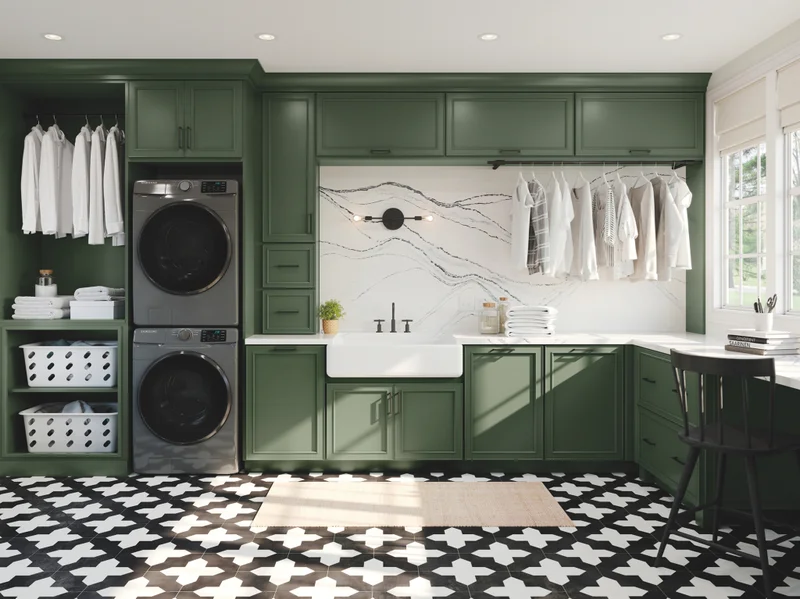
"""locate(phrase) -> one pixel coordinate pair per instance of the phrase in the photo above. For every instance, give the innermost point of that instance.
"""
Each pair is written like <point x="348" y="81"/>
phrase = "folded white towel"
<point x="530" y="320"/>
<point x="100" y="298"/>
<point x="41" y="314"/>
<point x="534" y="333"/>
<point x="98" y="292"/>
<point x="26" y="301"/>
<point x="532" y="310"/>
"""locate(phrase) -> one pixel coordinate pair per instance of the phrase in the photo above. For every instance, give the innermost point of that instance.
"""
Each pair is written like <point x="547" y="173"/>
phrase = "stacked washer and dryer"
<point x="186" y="312"/>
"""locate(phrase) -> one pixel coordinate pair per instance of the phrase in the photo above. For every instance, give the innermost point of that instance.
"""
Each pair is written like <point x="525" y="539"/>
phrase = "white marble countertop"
<point x="787" y="368"/>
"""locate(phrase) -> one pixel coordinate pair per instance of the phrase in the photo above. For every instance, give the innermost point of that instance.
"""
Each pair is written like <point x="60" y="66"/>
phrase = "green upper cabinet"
<point x="290" y="171"/>
<point x="378" y="124"/>
<point x="668" y="125"/>
<point x="504" y="403"/>
<point x="214" y="119"/>
<point x="285" y="402"/>
<point x="358" y="419"/>
<point x="584" y="403"/>
<point x="510" y="124"/>
<point x="184" y="119"/>
<point x="429" y="421"/>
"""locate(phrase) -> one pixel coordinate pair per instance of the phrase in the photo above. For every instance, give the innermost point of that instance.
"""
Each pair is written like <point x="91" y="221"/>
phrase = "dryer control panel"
<point x="213" y="335"/>
<point x="214" y="186"/>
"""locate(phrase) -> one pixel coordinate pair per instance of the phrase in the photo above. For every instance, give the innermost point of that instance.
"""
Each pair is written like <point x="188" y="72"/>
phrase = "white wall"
<point x="439" y="272"/>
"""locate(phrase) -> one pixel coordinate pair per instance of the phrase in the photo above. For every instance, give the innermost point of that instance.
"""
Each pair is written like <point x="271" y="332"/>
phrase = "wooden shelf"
<point x="63" y="325"/>
<point x="64" y="390"/>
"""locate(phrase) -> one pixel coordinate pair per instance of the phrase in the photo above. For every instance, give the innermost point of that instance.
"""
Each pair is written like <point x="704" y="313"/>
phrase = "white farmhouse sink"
<point x="393" y="355"/>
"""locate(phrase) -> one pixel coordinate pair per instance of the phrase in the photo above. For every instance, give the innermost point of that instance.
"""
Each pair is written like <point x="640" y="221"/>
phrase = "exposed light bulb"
<point x="53" y="37"/>
<point x="488" y="37"/>
<point x="429" y="218"/>
<point x="356" y="217"/>
<point x="266" y="37"/>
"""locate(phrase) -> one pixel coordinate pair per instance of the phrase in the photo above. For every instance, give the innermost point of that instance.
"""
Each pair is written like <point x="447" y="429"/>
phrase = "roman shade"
<point x="741" y="117"/>
<point x="789" y="95"/>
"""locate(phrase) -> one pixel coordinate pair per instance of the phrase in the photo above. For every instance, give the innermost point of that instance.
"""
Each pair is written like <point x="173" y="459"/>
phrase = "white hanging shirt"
<point x="560" y="232"/>
<point x="112" y="190"/>
<point x="627" y="232"/>
<point x="669" y="227"/>
<point x="584" y="263"/>
<point x="683" y="199"/>
<point x="569" y="215"/>
<point x="643" y="204"/>
<point x="80" y="182"/>
<point x="55" y="183"/>
<point x="521" y="204"/>
<point x="97" y="235"/>
<point x="29" y="182"/>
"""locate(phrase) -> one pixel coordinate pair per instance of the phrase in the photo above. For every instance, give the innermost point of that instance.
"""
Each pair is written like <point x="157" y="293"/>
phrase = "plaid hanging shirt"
<point x="539" y="236"/>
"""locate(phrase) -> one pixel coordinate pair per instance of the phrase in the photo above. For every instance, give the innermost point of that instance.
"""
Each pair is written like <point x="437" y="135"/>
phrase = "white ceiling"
<point x="401" y="35"/>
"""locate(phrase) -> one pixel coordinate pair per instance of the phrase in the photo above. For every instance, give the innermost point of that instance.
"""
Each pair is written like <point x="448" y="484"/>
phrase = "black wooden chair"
<point x="713" y="434"/>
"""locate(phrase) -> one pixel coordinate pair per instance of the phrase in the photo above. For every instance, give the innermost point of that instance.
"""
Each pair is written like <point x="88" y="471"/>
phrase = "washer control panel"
<point x="213" y="186"/>
<point x="213" y="336"/>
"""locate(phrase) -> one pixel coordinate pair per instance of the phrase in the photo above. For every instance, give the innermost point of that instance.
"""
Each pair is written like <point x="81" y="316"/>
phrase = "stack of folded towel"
<point x="98" y="293"/>
<point x="41" y="308"/>
<point x="531" y="321"/>
<point x="98" y="302"/>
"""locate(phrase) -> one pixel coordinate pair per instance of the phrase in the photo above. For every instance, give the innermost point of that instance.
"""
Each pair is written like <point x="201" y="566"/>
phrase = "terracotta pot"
<point x="330" y="327"/>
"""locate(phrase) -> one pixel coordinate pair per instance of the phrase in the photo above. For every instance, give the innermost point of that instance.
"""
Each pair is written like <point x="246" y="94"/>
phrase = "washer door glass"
<point x="184" y="248"/>
<point x="184" y="398"/>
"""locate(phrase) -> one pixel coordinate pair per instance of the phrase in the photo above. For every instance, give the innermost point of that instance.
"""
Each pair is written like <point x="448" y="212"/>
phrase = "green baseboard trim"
<point x="424" y="468"/>
<point x="84" y="466"/>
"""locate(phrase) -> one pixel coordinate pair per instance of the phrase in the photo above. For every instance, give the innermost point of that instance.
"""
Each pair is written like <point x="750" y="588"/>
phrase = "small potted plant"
<point x="330" y="312"/>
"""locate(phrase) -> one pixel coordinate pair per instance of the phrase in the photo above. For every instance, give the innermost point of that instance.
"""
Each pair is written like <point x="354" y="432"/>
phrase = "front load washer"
<point x="186" y="256"/>
<point x="185" y="401"/>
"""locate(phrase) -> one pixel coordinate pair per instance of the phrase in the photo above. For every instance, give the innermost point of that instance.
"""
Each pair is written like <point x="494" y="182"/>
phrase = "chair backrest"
<point x="718" y="368"/>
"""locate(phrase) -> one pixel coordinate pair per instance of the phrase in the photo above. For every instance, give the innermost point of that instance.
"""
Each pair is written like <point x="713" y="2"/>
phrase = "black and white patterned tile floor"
<point x="189" y="537"/>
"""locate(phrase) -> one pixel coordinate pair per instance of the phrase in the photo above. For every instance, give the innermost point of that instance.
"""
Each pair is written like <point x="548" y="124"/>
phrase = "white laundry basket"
<point x="47" y="430"/>
<point x="71" y="365"/>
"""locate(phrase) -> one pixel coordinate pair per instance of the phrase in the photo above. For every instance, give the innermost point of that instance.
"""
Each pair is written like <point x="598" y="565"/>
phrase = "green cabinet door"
<point x="504" y="403"/>
<point x="668" y="125"/>
<point x="290" y="170"/>
<point x="358" y="419"/>
<point x="428" y="421"/>
<point x="375" y="124"/>
<point x="285" y="402"/>
<point x="155" y="119"/>
<point x="214" y="119"/>
<point x="515" y="124"/>
<point x="584" y="403"/>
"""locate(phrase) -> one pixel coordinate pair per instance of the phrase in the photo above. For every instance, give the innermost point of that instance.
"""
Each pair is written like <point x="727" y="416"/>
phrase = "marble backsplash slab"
<point x="438" y="273"/>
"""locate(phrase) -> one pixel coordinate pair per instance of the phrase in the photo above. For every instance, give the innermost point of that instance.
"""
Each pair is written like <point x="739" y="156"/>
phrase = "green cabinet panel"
<point x="214" y="119"/>
<point x="640" y="124"/>
<point x="663" y="454"/>
<point x="377" y="124"/>
<point x="290" y="171"/>
<point x="289" y="265"/>
<point x="504" y="403"/>
<point x="288" y="311"/>
<point x="655" y="387"/>
<point x="521" y="124"/>
<point x="429" y="421"/>
<point x="285" y="402"/>
<point x="584" y="403"/>
<point x="357" y="419"/>
<point x="155" y="119"/>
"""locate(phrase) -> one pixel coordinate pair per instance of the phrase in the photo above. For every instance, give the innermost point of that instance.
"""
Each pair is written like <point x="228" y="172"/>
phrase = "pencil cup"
<point x="763" y="321"/>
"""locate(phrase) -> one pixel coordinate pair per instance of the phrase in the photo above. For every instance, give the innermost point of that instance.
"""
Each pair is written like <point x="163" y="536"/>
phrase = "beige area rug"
<point x="379" y="504"/>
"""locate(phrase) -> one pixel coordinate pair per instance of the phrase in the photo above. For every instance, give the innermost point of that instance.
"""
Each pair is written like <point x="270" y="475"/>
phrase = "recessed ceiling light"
<point x="266" y="37"/>
<point x="488" y="37"/>
<point x="671" y="37"/>
<point x="53" y="37"/>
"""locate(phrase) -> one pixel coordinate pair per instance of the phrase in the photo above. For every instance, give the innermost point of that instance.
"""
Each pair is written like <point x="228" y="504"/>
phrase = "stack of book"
<point x="763" y="343"/>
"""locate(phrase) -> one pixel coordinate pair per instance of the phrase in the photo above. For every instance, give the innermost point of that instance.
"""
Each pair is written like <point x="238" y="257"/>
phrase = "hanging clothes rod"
<point x="33" y="115"/>
<point x="495" y="164"/>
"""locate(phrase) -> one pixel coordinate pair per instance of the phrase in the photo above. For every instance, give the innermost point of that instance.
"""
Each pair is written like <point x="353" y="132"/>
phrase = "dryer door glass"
<point x="184" y="248"/>
<point x="184" y="398"/>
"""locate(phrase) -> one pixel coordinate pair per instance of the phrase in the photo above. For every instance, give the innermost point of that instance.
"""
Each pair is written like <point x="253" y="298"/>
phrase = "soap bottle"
<point x="46" y="284"/>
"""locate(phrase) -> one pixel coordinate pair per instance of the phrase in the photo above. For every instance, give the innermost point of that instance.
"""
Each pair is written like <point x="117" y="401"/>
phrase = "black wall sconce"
<point x="392" y="219"/>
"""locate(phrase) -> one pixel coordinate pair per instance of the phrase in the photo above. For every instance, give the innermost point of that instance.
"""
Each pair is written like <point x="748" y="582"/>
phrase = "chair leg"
<point x="758" y="522"/>
<point x="686" y="475"/>
<point x="723" y="458"/>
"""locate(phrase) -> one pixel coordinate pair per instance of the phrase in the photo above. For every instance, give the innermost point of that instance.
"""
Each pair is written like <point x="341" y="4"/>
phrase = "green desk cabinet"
<point x="285" y="402"/>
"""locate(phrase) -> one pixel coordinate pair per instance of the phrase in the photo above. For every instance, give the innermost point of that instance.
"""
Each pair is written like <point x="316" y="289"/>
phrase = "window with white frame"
<point x="745" y="225"/>
<point x="793" y="218"/>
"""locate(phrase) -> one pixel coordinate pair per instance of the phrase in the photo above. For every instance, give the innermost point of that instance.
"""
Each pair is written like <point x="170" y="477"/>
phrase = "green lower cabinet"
<point x="429" y="421"/>
<point x="357" y="419"/>
<point x="504" y="403"/>
<point x="285" y="402"/>
<point x="584" y="403"/>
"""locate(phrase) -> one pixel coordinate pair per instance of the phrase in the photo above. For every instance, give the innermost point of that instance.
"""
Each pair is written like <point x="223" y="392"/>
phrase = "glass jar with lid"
<point x="489" y="319"/>
<point x="502" y="312"/>
<point x="46" y="284"/>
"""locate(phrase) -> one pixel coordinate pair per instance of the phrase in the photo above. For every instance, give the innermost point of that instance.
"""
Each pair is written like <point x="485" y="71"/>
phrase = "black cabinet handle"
<point x="680" y="461"/>
<point x="510" y="151"/>
<point x="287" y="266"/>
<point x="180" y="138"/>
<point x="189" y="138"/>
<point x="381" y="151"/>
<point x="286" y="348"/>
<point x="675" y="391"/>
<point x="648" y="442"/>
<point x="287" y="311"/>
<point x="647" y="380"/>
<point x="643" y="152"/>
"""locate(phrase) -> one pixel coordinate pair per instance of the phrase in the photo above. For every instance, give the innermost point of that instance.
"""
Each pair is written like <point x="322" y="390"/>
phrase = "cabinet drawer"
<point x="288" y="265"/>
<point x="373" y="124"/>
<point x="662" y="453"/>
<point x="287" y="311"/>
<point x="657" y="390"/>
